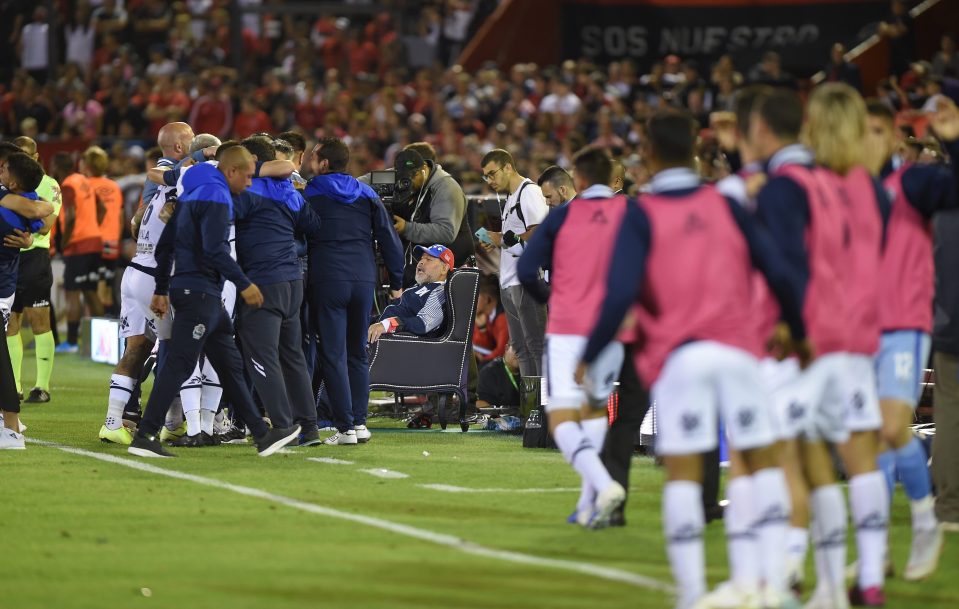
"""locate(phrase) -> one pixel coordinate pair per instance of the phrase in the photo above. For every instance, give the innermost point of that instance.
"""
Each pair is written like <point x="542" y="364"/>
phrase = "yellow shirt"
<point x="48" y="190"/>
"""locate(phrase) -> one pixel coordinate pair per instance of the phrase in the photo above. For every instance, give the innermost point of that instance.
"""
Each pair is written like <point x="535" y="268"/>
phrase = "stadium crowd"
<point x="795" y="217"/>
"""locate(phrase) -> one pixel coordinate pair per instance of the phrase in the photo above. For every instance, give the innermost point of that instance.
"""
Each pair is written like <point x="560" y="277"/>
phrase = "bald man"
<point x="174" y="140"/>
<point x="201" y="252"/>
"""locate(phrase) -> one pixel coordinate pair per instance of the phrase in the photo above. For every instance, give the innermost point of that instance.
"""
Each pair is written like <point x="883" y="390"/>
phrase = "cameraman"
<point x="432" y="209"/>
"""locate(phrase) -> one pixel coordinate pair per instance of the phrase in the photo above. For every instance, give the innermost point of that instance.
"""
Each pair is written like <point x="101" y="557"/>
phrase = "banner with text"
<point x="801" y="33"/>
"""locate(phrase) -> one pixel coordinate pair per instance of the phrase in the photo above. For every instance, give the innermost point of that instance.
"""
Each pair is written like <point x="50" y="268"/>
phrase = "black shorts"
<point x="82" y="272"/>
<point x="108" y="269"/>
<point x="34" y="280"/>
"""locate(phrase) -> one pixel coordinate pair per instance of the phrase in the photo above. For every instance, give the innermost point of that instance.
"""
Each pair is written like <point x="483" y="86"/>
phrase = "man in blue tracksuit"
<point x="269" y="215"/>
<point x="200" y="324"/>
<point x="342" y="271"/>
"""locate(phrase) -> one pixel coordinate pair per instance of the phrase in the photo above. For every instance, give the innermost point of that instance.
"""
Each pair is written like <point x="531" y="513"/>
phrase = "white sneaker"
<point x="924" y="555"/>
<point x="822" y="599"/>
<point x="607" y="501"/>
<point x="770" y="599"/>
<point x="341" y="438"/>
<point x="20" y="424"/>
<point x="363" y="434"/>
<point x="11" y="440"/>
<point x="728" y="595"/>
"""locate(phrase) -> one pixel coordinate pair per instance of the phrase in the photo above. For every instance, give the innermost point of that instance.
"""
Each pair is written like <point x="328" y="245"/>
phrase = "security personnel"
<point x="342" y="271"/>
<point x="202" y="255"/>
<point x="269" y="216"/>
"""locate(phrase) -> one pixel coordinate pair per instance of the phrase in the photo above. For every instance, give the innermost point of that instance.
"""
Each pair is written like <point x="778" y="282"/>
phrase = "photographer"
<point x="429" y="207"/>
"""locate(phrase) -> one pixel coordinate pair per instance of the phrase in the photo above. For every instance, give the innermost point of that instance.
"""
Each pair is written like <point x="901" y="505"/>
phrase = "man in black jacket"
<point x="436" y="211"/>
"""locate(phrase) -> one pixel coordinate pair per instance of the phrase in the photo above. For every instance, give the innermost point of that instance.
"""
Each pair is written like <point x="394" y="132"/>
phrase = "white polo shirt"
<point x="534" y="212"/>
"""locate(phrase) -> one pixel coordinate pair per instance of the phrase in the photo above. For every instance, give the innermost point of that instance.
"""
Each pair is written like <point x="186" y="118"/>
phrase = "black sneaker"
<point x="37" y="396"/>
<point x="275" y="439"/>
<point x="617" y="518"/>
<point x="200" y="440"/>
<point x="148" y="446"/>
<point x="310" y="438"/>
<point x="236" y="435"/>
<point x="210" y="439"/>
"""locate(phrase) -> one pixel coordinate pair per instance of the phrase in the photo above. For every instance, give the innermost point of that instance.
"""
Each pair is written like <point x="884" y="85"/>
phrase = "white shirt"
<point x="534" y="211"/>
<point x="566" y="105"/>
<point x="80" y="44"/>
<point x="35" y="53"/>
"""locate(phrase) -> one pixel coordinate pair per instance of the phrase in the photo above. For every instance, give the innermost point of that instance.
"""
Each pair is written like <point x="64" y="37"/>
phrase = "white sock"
<point x="771" y="496"/>
<point x="741" y="541"/>
<point x="190" y="394"/>
<point x="868" y="498"/>
<point x="923" y="514"/>
<point x="683" y="523"/>
<point x="580" y="453"/>
<point x="121" y="388"/>
<point x="797" y="544"/>
<point x="829" y="537"/>
<point x="595" y="432"/>
<point x="174" y="416"/>
<point x="211" y="391"/>
<point x="206" y="420"/>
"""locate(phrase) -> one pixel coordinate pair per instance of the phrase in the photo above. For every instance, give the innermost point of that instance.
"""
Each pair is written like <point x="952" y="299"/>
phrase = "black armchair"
<point x="408" y="364"/>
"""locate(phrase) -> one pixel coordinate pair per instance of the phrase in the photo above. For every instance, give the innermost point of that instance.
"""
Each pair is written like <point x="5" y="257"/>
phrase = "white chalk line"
<point x="379" y="472"/>
<point x="330" y="460"/>
<point x="449" y="488"/>
<point x="450" y="541"/>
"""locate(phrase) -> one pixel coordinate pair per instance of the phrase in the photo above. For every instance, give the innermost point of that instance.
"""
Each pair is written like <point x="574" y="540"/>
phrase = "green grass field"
<point x="83" y="532"/>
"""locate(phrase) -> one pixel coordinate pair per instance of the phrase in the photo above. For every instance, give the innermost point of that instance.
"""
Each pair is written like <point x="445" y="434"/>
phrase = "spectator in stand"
<point x="110" y="20"/>
<point x="166" y="104"/>
<point x="491" y="332"/>
<point x="251" y="119"/>
<point x="212" y="111"/>
<point x="898" y="29"/>
<point x="83" y="116"/>
<point x="34" y="45"/>
<point x="561" y="101"/>
<point x="840" y="70"/>
<point x="946" y="60"/>
<point x="151" y="21"/>
<point x="120" y="118"/>
<point x="770" y="72"/>
<point x="79" y="35"/>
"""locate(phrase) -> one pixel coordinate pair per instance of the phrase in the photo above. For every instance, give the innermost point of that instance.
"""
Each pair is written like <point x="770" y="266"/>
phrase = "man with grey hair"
<point x="202" y="141"/>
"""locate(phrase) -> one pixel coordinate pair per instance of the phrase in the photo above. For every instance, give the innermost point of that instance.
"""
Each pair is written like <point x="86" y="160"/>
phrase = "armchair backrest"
<point x="462" y="289"/>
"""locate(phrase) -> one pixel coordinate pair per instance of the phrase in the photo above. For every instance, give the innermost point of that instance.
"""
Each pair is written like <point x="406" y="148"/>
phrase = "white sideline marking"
<point x="384" y="473"/>
<point x="450" y="541"/>
<point x="330" y="460"/>
<point x="449" y="488"/>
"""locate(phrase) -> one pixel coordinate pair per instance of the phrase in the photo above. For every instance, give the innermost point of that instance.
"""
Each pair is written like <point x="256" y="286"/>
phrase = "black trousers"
<point x="272" y="343"/>
<point x="621" y="439"/>
<point x="9" y="400"/>
<point x="200" y="325"/>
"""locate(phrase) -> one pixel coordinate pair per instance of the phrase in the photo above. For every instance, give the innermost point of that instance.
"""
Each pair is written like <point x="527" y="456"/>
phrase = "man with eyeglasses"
<point x="525" y="208"/>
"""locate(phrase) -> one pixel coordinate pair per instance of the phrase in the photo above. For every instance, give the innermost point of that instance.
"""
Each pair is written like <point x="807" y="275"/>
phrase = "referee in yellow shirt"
<point x="34" y="284"/>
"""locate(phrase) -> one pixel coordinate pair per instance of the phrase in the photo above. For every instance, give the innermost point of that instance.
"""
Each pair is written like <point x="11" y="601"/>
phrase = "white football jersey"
<point x="151" y="227"/>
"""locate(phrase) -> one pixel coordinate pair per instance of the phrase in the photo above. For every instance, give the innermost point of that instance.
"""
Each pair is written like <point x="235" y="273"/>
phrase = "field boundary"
<point x="450" y="541"/>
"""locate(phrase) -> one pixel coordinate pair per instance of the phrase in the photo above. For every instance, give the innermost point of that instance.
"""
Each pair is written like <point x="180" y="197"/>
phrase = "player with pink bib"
<point x="686" y="255"/>
<point x="570" y="244"/>
<point x="907" y="285"/>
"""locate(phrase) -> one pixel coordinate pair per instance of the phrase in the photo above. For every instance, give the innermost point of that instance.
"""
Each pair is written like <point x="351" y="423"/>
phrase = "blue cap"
<point x="437" y="251"/>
